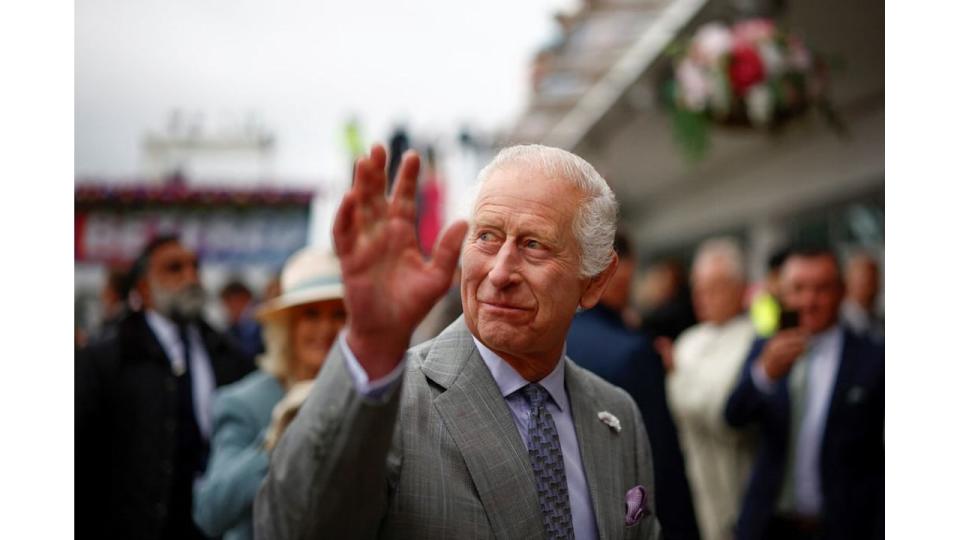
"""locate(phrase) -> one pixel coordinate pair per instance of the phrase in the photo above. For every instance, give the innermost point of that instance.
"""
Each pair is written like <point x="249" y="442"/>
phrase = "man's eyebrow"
<point x="488" y="220"/>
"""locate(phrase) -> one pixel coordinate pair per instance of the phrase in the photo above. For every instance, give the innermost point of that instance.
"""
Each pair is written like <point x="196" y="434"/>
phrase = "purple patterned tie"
<point x="547" y="460"/>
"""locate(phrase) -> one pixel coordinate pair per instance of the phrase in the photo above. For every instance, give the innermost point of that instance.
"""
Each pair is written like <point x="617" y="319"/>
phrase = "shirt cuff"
<point x="361" y="381"/>
<point x="760" y="379"/>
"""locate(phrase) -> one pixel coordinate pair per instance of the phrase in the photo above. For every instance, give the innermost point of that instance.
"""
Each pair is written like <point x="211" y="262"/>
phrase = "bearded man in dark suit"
<point x="143" y="402"/>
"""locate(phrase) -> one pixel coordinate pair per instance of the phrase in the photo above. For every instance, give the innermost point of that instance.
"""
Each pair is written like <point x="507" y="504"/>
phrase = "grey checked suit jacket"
<point x="441" y="457"/>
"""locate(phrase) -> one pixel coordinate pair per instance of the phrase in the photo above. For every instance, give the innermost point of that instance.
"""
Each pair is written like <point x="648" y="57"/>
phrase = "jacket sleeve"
<point x="746" y="403"/>
<point x="237" y="466"/>
<point x="328" y="474"/>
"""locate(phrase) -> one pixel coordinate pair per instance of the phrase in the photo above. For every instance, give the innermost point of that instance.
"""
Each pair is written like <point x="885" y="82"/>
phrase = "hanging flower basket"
<point x="751" y="74"/>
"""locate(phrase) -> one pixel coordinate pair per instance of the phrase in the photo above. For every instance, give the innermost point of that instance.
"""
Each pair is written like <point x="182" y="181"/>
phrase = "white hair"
<point x="725" y="251"/>
<point x="595" y="223"/>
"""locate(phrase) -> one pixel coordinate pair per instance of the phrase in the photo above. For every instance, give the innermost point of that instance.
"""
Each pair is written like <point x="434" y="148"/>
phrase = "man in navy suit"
<point x="816" y="393"/>
<point x="599" y="341"/>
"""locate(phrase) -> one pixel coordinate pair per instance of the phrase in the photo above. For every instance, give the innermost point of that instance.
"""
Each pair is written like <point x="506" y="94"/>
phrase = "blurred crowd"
<point x="763" y="403"/>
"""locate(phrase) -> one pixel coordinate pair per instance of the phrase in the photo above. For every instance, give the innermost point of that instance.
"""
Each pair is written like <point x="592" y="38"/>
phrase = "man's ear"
<point x="598" y="283"/>
<point x="144" y="291"/>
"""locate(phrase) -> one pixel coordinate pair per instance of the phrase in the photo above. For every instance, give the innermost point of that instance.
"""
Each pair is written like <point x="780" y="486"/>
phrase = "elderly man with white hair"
<point x="488" y="430"/>
<point x="707" y="360"/>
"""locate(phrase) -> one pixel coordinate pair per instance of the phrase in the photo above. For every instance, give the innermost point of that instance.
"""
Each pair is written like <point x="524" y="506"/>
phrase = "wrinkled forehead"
<point x="523" y="184"/>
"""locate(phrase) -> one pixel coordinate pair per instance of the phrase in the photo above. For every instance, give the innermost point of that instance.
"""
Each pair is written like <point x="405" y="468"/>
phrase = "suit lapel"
<point x="846" y="375"/>
<point x="598" y="451"/>
<point x="142" y="343"/>
<point x="481" y="425"/>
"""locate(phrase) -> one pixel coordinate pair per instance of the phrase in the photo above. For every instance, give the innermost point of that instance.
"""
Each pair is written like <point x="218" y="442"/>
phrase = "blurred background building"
<point x="216" y="188"/>
<point x="240" y="151"/>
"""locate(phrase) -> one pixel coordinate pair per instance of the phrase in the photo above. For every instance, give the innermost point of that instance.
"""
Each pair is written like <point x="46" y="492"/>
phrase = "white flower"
<point x="712" y="41"/>
<point x="760" y="105"/>
<point x="774" y="63"/>
<point x="610" y="420"/>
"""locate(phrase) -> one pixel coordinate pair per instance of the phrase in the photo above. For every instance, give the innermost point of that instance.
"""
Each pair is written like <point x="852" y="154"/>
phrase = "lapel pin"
<point x="609" y="420"/>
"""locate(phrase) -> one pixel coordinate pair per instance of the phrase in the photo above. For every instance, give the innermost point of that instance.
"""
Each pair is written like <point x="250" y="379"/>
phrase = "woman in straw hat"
<point x="299" y="326"/>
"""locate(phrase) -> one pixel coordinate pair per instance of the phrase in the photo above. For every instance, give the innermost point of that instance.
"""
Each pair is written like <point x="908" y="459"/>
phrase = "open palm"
<point x="389" y="288"/>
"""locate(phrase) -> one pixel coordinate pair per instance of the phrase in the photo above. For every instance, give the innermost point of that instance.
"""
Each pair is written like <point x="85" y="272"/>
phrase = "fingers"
<point x="403" y="199"/>
<point x="379" y="156"/>
<point x="344" y="228"/>
<point x="370" y="182"/>
<point x="378" y="163"/>
<point x="447" y="251"/>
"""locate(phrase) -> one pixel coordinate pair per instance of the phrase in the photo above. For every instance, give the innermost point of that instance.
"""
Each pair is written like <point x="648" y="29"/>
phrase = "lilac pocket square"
<point x="636" y="500"/>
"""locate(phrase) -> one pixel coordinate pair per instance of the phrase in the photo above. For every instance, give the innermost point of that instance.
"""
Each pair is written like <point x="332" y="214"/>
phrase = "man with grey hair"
<point x="488" y="430"/>
<point x="862" y="280"/>
<point x="707" y="359"/>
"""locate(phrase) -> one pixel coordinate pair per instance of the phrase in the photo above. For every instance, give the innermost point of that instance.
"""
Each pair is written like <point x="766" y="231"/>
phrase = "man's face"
<point x="812" y="287"/>
<point x="172" y="286"/>
<point x="521" y="280"/>
<point x="235" y="304"/>
<point x="717" y="295"/>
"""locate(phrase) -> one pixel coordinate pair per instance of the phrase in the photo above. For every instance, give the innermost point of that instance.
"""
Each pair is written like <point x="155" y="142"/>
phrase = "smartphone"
<point x="789" y="318"/>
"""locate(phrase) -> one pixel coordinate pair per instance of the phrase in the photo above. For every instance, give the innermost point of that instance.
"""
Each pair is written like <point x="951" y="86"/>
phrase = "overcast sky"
<point x="302" y="67"/>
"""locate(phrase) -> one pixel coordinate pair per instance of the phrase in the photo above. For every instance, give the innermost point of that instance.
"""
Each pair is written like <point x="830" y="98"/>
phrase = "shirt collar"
<point x="729" y="323"/>
<point x="167" y="331"/>
<point x="826" y="340"/>
<point x="163" y="328"/>
<point x="509" y="381"/>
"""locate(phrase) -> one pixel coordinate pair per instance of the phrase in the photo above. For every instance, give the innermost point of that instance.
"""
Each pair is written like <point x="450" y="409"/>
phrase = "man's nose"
<point x="504" y="270"/>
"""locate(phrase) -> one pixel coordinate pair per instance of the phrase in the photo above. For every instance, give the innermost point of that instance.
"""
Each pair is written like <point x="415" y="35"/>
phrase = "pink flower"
<point x="751" y="31"/>
<point x="798" y="57"/>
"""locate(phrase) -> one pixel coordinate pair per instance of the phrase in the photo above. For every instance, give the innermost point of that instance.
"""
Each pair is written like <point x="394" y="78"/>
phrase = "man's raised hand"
<point x="389" y="288"/>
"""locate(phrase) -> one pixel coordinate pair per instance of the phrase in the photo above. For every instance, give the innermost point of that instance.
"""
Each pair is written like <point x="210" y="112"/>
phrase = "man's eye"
<point x="533" y="244"/>
<point x="485" y="236"/>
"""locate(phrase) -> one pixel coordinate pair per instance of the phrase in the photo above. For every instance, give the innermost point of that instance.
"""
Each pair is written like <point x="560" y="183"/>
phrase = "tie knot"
<point x="535" y="394"/>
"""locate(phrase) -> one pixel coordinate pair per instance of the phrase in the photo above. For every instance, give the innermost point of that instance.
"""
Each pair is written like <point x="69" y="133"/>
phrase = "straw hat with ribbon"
<point x="309" y="275"/>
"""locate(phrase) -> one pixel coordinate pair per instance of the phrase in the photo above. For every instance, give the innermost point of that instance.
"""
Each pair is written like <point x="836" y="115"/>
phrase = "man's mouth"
<point x="504" y="307"/>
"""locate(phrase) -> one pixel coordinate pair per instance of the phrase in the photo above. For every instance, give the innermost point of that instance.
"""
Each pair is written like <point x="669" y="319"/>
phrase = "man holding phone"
<point x="815" y="390"/>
